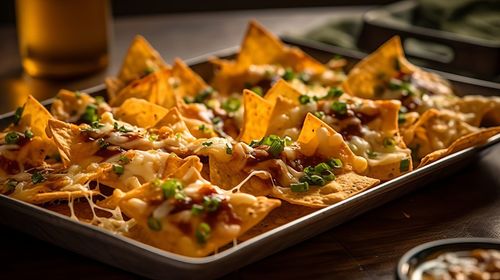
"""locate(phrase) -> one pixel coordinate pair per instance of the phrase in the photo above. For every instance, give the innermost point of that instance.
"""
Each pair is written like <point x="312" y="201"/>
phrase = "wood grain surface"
<point x="466" y="204"/>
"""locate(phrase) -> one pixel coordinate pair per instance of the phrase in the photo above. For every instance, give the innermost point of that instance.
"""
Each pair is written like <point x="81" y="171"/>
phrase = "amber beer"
<point x="63" y="38"/>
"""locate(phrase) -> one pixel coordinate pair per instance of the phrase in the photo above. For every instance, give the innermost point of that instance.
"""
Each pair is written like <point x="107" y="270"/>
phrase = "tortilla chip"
<point x="72" y="148"/>
<point x="230" y="174"/>
<point x="284" y="214"/>
<point x="185" y="128"/>
<point x="260" y="47"/>
<point x="435" y="130"/>
<point x="479" y="110"/>
<point x="155" y="88"/>
<point x="68" y="106"/>
<point x="140" y="112"/>
<point x="249" y="209"/>
<point x="344" y="186"/>
<point x="318" y="138"/>
<point x="113" y="86"/>
<point x="464" y="142"/>
<point x="34" y="117"/>
<point x="383" y="64"/>
<point x="190" y="83"/>
<point x="282" y="122"/>
<point x="283" y="89"/>
<point x="256" y="116"/>
<point x="387" y="124"/>
<point x="140" y="59"/>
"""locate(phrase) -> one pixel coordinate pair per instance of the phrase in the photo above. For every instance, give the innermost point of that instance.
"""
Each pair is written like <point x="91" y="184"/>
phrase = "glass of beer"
<point x="63" y="38"/>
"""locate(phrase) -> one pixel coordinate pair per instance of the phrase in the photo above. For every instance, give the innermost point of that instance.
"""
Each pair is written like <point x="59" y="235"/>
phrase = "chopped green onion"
<point x="202" y="128"/>
<point x="276" y="148"/>
<point x="304" y="77"/>
<point x="18" y="114"/>
<point x="154" y="224"/>
<point x="371" y="154"/>
<point x="207" y="144"/>
<point x="232" y="104"/>
<point x="196" y="209"/>
<point x="334" y="92"/>
<point x="11" y="184"/>
<point x="170" y="187"/>
<point x="304" y="99"/>
<point x="404" y="165"/>
<point x="254" y="143"/>
<point x="102" y="143"/>
<point x="152" y="137"/>
<point x="99" y="100"/>
<point x="203" y="95"/>
<point x="118" y="169"/>
<point x="319" y="114"/>
<point x="121" y="128"/>
<point x="12" y="137"/>
<point x="299" y="187"/>
<point x="401" y="118"/>
<point x="90" y="114"/>
<point x="339" y="107"/>
<point x="211" y="203"/>
<point x="180" y="195"/>
<point x="37" y="178"/>
<point x="258" y="90"/>
<point x="202" y="233"/>
<point x="321" y="167"/>
<point x="78" y="94"/>
<point x="329" y="176"/>
<point x="123" y="159"/>
<point x="229" y="149"/>
<point x="288" y="75"/>
<point x="335" y="163"/>
<point x="216" y="120"/>
<point x="309" y="170"/>
<point x="317" y="180"/>
<point x="389" y="142"/>
<point x="96" y="125"/>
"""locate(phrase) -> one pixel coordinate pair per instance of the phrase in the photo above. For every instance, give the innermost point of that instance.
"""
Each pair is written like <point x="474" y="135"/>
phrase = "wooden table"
<point x="368" y="247"/>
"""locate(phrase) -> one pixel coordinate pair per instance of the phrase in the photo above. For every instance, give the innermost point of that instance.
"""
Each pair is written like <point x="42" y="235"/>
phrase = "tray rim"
<point x="316" y="216"/>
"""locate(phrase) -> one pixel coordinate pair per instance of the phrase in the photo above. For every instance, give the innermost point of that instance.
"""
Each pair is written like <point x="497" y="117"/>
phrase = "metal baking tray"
<point x="145" y="260"/>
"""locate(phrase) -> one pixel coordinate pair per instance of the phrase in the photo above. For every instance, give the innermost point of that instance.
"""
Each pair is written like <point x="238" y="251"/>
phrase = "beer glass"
<point x="63" y="38"/>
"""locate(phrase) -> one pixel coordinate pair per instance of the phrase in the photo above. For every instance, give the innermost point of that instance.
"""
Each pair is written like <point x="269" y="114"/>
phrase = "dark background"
<point x="137" y="7"/>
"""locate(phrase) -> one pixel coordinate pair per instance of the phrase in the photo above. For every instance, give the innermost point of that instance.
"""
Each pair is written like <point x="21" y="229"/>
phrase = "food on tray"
<point x="475" y="264"/>
<point x="190" y="166"/>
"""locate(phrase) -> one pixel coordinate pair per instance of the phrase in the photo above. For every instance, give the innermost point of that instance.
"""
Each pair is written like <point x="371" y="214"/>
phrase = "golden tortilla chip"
<point x="155" y="88"/>
<point x="464" y="142"/>
<point x="232" y="173"/>
<point x="190" y="83"/>
<point x="344" y="186"/>
<point x="282" y="89"/>
<point x="71" y="145"/>
<point x="260" y="47"/>
<point x="256" y="116"/>
<point x="34" y="117"/>
<point x="435" y="130"/>
<point x="479" y="110"/>
<point x="69" y="106"/>
<point x="166" y="232"/>
<point x="140" y="60"/>
<point x="378" y="67"/>
<point x="140" y="112"/>
<point x="318" y="138"/>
